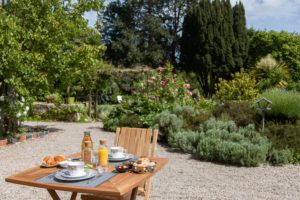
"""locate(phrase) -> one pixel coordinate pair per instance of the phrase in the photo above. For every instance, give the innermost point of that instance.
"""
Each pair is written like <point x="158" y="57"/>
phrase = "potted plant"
<point x="3" y="141"/>
<point x="13" y="140"/>
<point x="22" y="134"/>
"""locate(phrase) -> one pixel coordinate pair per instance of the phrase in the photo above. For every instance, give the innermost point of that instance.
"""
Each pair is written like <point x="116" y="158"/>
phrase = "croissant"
<point x="59" y="158"/>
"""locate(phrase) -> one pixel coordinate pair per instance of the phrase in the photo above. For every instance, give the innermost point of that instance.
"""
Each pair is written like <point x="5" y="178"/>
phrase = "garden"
<point x="203" y="87"/>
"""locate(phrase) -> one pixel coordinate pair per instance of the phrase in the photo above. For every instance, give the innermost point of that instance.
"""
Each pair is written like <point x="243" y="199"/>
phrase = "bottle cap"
<point x="87" y="133"/>
<point x="103" y="142"/>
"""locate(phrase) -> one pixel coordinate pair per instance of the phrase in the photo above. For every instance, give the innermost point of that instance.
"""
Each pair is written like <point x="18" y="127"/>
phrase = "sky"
<point x="260" y="14"/>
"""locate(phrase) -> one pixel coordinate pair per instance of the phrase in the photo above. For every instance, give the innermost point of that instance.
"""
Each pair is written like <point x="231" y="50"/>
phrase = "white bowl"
<point x="64" y="164"/>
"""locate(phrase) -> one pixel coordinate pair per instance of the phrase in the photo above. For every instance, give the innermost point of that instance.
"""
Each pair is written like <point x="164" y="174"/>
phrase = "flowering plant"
<point x="13" y="110"/>
<point x="165" y="87"/>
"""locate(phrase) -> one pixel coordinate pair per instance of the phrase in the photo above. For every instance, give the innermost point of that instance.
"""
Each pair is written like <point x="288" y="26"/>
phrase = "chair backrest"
<point x="137" y="141"/>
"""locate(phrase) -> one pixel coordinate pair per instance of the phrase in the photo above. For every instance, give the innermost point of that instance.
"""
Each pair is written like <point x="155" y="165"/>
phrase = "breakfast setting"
<point x="119" y="171"/>
<point x="95" y="162"/>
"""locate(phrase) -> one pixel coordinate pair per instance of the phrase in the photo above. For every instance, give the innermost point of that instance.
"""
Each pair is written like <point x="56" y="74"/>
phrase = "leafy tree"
<point x="207" y="43"/>
<point x="134" y="33"/>
<point x="144" y="32"/>
<point x="283" y="46"/>
<point x="43" y="44"/>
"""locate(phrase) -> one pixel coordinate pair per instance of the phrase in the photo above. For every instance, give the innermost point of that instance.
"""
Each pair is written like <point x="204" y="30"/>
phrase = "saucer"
<point x="126" y="157"/>
<point x="66" y="174"/>
<point x="90" y="173"/>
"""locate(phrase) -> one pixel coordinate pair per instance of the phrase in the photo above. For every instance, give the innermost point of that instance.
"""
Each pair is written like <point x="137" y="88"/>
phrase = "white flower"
<point x="25" y="112"/>
<point x="22" y="99"/>
<point x="21" y="103"/>
<point x="1" y="98"/>
<point x="18" y="115"/>
<point x="119" y="99"/>
<point x="27" y="108"/>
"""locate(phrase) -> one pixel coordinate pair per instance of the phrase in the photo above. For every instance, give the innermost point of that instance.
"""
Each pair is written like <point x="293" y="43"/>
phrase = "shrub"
<point x="285" y="104"/>
<point x="269" y="73"/>
<point x="130" y="121"/>
<point x="241" y="87"/>
<point x="165" y="87"/>
<point x="167" y="123"/>
<point x="180" y="118"/>
<point x="186" y="141"/>
<point x="55" y="98"/>
<point x="192" y="118"/>
<point x="240" y="112"/>
<point x="141" y="113"/>
<point x="65" y="113"/>
<point x="103" y="111"/>
<point x="280" y="157"/>
<point x="284" y="136"/>
<point x="224" y="142"/>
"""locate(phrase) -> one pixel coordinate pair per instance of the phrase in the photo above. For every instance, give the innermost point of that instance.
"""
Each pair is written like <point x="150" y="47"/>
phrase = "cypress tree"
<point x="241" y="44"/>
<point x="207" y="42"/>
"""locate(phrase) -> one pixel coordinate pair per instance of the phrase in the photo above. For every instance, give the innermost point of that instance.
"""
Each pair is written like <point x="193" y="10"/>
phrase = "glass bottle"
<point x="103" y="154"/>
<point x="87" y="153"/>
<point x="87" y="137"/>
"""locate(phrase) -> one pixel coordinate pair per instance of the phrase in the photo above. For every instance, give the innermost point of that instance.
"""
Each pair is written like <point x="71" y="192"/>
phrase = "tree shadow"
<point x="37" y="128"/>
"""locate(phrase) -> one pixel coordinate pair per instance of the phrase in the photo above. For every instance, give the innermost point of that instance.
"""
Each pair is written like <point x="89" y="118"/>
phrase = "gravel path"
<point x="183" y="178"/>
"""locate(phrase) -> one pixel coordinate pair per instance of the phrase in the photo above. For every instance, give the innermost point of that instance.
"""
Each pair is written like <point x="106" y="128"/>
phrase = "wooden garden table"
<point x="123" y="186"/>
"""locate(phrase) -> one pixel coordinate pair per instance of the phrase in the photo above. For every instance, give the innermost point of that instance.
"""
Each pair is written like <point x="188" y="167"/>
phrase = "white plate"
<point x="90" y="173"/>
<point x="66" y="174"/>
<point x="126" y="157"/>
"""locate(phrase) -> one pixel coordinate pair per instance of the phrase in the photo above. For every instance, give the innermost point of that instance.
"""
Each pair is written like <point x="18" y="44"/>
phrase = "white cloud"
<point x="272" y="14"/>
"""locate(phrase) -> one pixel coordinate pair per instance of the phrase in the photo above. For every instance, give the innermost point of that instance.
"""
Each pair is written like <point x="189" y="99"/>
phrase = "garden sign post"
<point x="263" y="105"/>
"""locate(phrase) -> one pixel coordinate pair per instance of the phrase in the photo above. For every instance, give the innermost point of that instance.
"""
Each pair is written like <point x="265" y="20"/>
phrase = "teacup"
<point x="76" y="168"/>
<point x="117" y="152"/>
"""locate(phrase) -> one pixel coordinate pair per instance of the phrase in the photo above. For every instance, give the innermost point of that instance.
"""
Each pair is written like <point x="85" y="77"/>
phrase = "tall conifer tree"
<point x="207" y="43"/>
<point x="241" y="45"/>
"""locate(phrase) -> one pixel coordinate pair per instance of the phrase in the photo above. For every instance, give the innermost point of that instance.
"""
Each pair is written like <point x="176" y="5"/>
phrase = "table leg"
<point x="53" y="194"/>
<point x="134" y="193"/>
<point x="74" y="195"/>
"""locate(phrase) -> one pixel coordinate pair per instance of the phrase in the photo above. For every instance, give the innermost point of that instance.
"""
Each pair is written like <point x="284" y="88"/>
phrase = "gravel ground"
<point x="182" y="178"/>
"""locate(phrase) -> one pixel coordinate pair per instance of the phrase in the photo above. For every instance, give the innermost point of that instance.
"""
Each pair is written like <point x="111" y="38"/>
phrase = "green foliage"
<point x="142" y="110"/>
<point x="285" y="104"/>
<point x="208" y="44"/>
<point x="283" y="46"/>
<point x="143" y="32"/>
<point x="192" y="118"/>
<point x="134" y="33"/>
<point x="241" y="87"/>
<point x="240" y="112"/>
<point x="55" y="98"/>
<point x="45" y="45"/>
<point x="241" y="44"/>
<point x="269" y="73"/>
<point x="168" y="123"/>
<point x="180" y="118"/>
<point x="284" y="136"/>
<point x="280" y="157"/>
<point x="185" y="141"/>
<point x="223" y="142"/>
<point x="65" y="113"/>
<point x="103" y="111"/>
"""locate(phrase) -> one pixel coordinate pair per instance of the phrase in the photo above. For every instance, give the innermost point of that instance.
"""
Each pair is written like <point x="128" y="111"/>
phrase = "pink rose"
<point x="188" y="86"/>
<point x="190" y="93"/>
<point x="160" y="69"/>
<point x="150" y="81"/>
<point x="163" y="83"/>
